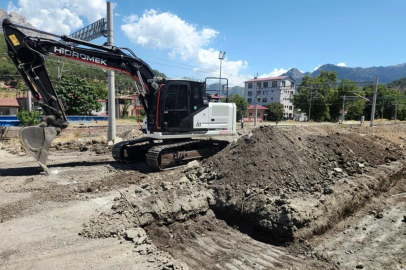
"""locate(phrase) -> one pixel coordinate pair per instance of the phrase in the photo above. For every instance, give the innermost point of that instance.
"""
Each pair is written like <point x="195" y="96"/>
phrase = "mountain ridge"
<point x="386" y="74"/>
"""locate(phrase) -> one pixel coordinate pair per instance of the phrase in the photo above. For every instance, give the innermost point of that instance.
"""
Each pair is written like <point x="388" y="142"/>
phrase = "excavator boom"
<point x="28" y="54"/>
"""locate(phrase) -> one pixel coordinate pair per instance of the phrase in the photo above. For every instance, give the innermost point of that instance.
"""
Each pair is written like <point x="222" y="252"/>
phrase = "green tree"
<point x="386" y="102"/>
<point x="28" y="118"/>
<point x="275" y="111"/>
<point x="241" y="104"/>
<point x="320" y="91"/>
<point x="124" y="113"/>
<point x="100" y="88"/>
<point x="159" y="74"/>
<point x="354" y="103"/>
<point x="78" y="96"/>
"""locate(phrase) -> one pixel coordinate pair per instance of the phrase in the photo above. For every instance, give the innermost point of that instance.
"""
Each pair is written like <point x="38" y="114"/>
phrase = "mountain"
<point x="385" y="74"/>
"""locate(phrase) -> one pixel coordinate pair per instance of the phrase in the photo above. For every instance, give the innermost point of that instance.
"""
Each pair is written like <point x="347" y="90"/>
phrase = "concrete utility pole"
<point x="29" y="107"/>
<point x="221" y="57"/>
<point x="396" y="111"/>
<point x="374" y="102"/>
<point x="342" y="113"/>
<point x="110" y="77"/>
<point x="310" y="106"/>
<point x="256" y="105"/>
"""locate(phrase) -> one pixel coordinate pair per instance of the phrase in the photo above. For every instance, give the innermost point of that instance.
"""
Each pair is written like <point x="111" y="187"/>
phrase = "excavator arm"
<point x="28" y="54"/>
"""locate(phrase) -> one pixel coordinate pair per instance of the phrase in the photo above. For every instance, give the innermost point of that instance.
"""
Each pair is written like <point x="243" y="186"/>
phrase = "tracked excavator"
<point x="178" y="111"/>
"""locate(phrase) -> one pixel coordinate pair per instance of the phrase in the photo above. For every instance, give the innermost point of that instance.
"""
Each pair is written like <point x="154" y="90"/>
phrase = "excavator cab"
<point x="179" y="103"/>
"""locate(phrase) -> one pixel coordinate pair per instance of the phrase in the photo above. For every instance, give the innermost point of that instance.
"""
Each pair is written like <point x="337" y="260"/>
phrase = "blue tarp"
<point x="11" y="120"/>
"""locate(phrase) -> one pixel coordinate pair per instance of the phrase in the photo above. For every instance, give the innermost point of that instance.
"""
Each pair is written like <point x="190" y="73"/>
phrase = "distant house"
<point x="261" y="111"/>
<point x="8" y="106"/>
<point x="134" y="107"/>
<point x="264" y="91"/>
<point x="103" y="110"/>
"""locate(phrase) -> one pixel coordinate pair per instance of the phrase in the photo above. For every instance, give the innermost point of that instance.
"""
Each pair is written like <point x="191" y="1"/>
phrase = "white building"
<point x="273" y="89"/>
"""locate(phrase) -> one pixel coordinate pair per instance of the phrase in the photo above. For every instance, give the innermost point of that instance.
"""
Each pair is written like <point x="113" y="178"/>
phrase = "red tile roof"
<point x="267" y="79"/>
<point x="259" y="107"/>
<point x="8" y="102"/>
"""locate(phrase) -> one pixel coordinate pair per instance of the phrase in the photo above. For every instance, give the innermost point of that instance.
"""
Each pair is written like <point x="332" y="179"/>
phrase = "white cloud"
<point x="130" y="19"/>
<point x="274" y="73"/>
<point x="341" y="64"/>
<point x="316" y="68"/>
<point x="167" y="31"/>
<point x="59" y="16"/>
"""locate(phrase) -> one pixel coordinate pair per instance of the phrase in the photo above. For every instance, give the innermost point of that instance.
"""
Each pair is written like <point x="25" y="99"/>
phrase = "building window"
<point x="283" y="83"/>
<point x="249" y="85"/>
<point x="250" y="114"/>
<point x="258" y="114"/>
<point x="292" y="84"/>
<point x="264" y="100"/>
<point x="249" y="93"/>
<point x="274" y="83"/>
<point x="265" y="84"/>
<point x="271" y="98"/>
<point x="259" y="85"/>
<point x="249" y="100"/>
<point x="258" y="93"/>
<point x="259" y="100"/>
<point x="290" y="108"/>
<point x="264" y="92"/>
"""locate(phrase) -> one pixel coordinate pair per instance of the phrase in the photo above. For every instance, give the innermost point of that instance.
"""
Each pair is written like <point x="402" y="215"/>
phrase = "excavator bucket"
<point x="37" y="141"/>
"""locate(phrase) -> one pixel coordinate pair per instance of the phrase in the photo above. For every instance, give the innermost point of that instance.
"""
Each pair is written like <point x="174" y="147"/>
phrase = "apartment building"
<point x="264" y="91"/>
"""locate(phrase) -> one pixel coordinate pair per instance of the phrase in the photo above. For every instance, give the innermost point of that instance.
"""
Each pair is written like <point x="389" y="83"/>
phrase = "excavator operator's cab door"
<point x="180" y="101"/>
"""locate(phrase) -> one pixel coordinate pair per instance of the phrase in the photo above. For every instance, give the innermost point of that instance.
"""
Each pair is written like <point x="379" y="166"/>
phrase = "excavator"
<point x="179" y="113"/>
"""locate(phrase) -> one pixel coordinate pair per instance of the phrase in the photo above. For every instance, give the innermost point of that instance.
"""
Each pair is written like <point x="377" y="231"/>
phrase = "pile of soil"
<point x="161" y="203"/>
<point x="274" y="177"/>
<point x="288" y="183"/>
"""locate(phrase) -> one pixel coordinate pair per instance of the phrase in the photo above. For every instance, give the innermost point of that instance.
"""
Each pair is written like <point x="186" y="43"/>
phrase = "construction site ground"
<point x="278" y="197"/>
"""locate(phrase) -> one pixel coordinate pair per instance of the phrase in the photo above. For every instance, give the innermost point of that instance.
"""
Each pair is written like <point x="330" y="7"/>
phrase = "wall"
<point x="281" y="94"/>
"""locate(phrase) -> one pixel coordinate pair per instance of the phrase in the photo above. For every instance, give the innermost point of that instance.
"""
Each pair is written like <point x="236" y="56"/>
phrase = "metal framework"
<point x="92" y="31"/>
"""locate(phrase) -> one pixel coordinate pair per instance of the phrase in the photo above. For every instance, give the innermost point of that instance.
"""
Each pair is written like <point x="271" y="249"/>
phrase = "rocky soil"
<point x="278" y="198"/>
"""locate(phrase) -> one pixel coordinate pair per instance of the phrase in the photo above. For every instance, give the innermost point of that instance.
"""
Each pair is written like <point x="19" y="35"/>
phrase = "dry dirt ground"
<point x="319" y="197"/>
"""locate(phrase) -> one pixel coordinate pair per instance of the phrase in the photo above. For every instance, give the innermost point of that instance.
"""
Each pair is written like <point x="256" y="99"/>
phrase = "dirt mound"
<point x="147" y="203"/>
<point x="274" y="176"/>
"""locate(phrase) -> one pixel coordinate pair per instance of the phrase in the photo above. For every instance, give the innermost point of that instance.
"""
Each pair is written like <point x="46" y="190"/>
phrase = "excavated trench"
<point x="273" y="185"/>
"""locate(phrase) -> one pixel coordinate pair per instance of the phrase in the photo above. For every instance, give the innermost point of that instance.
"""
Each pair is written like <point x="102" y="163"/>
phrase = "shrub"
<point x="28" y="118"/>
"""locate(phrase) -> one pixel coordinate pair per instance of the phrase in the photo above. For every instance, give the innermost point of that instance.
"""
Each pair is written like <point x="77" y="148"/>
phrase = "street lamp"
<point x="221" y="57"/>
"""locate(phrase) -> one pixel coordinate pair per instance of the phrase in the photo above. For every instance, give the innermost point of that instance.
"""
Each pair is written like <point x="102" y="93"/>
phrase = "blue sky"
<point x="182" y="38"/>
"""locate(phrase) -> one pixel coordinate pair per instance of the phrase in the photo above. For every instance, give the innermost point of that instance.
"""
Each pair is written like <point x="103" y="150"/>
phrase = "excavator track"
<point x="166" y="156"/>
<point x="134" y="150"/>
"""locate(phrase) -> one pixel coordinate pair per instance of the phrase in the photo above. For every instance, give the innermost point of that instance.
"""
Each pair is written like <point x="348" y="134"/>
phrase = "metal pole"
<point x="29" y="107"/>
<point x="220" y="77"/>
<point x="342" y="113"/>
<point x="396" y="111"/>
<point x="110" y="77"/>
<point x="256" y="106"/>
<point x="310" y="107"/>
<point x="221" y="57"/>
<point x="374" y="102"/>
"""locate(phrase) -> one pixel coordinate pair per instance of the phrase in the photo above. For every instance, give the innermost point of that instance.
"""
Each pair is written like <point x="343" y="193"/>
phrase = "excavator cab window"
<point x="176" y="97"/>
<point x="176" y="106"/>
<point x="197" y="97"/>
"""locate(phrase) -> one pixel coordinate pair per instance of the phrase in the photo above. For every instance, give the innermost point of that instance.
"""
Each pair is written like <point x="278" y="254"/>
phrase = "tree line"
<point x="324" y="98"/>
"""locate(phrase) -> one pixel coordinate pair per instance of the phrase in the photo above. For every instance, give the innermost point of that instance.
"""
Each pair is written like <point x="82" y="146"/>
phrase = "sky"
<point x="264" y="37"/>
